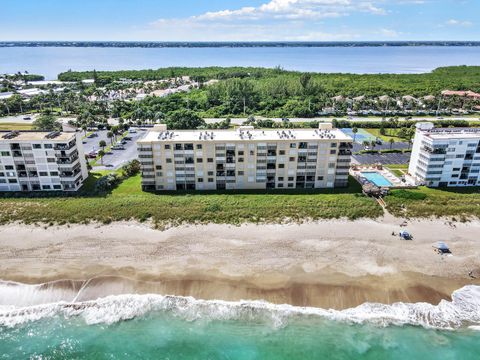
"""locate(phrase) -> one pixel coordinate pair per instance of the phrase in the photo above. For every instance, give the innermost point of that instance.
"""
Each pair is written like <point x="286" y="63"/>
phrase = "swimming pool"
<point x="376" y="178"/>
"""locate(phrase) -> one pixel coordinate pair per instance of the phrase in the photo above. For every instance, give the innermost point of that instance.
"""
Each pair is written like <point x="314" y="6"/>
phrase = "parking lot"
<point x="392" y="158"/>
<point x="114" y="158"/>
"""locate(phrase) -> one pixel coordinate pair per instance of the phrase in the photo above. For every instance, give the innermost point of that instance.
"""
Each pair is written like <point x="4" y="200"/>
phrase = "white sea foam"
<point x="462" y="311"/>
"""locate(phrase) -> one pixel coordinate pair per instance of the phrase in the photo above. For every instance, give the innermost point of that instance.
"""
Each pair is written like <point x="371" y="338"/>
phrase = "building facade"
<point x="41" y="161"/>
<point x="445" y="157"/>
<point x="244" y="159"/>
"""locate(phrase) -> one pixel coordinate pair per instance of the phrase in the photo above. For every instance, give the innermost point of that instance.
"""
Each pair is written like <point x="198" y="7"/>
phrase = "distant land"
<point x="143" y="44"/>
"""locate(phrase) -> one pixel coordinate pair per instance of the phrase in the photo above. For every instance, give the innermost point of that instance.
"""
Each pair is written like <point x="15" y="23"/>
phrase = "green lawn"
<point x="397" y="169"/>
<point x="15" y="126"/>
<point x="389" y="134"/>
<point x="128" y="202"/>
<point x="425" y="202"/>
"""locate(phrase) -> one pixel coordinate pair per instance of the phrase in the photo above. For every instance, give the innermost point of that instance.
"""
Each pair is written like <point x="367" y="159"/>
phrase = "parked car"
<point x="92" y="135"/>
<point x="27" y="118"/>
<point x="132" y="131"/>
<point x="118" y="147"/>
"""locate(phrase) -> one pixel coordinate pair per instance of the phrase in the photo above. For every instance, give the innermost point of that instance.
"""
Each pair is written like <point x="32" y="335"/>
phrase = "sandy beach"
<point x="330" y="264"/>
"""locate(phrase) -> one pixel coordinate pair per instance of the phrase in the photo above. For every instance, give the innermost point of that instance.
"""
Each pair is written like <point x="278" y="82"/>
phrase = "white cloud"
<point x="454" y="22"/>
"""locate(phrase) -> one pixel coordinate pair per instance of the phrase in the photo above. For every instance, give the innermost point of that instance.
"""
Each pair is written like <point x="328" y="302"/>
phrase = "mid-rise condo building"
<point x="41" y="161"/>
<point x="445" y="157"/>
<point x="245" y="158"/>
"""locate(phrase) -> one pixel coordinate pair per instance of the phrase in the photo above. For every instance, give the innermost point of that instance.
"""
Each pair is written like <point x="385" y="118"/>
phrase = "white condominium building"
<point x="244" y="159"/>
<point x="41" y="161"/>
<point x="445" y="157"/>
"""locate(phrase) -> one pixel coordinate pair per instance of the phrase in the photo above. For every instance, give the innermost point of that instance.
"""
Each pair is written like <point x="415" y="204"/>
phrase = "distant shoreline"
<point x="233" y="44"/>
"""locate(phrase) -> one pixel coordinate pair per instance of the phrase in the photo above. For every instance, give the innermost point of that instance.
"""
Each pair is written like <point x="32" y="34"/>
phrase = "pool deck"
<point x="396" y="182"/>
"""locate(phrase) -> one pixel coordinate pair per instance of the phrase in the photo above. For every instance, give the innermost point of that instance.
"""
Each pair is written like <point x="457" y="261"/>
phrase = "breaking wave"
<point x="462" y="311"/>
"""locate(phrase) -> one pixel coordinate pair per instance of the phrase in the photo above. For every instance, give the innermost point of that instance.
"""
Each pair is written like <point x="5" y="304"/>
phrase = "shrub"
<point x="107" y="182"/>
<point x="131" y="169"/>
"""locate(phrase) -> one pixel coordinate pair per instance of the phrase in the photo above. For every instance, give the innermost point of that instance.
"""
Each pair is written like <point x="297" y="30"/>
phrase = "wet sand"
<point x="330" y="264"/>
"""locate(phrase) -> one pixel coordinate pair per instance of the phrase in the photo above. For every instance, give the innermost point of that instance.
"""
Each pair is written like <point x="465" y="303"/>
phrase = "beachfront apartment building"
<point x="445" y="157"/>
<point x="41" y="161"/>
<point x="245" y="158"/>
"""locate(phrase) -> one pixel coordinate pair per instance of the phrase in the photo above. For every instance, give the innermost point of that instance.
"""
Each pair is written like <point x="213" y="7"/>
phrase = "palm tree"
<point x="373" y="143"/>
<point x="102" y="144"/>
<point x="84" y="128"/>
<point x="101" y="153"/>
<point x="391" y="141"/>
<point x="365" y="143"/>
<point x="110" y="136"/>
<point x="354" y="131"/>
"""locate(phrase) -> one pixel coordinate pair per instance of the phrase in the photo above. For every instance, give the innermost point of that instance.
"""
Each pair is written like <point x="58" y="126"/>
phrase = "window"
<point x="333" y="145"/>
<point x="291" y="159"/>
<point x="167" y="147"/>
<point x="178" y="147"/>
<point x="43" y="173"/>
<point x="281" y="152"/>
<point x="50" y="160"/>
<point x="280" y="185"/>
<point x="2" y="174"/>
<point x="3" y="181"/>
<point x="46" y="187"/>
<point x="48" y="146"/>
<point x="158" y="167"/>
<point x="5" y="153"/>
<point x="169" y="161"/>
<point x="240" y="153"/>
<point x="199" y="146"/>
<point x="12" y="181"/>
<point x="37" y="146"/>
<point x="280" y="178"/>
<point x="210" y="160"/>
<point x="290" y="185"/>
<point x="199" y="160"/>
<point x="210" y="180"/>
<point x="200" y="180"/>
<point x="281" y="166"/>
<point x="210" y="173"/>
<point x="333" y="152"/>
<point x="291" y="178"/>
<point x="240" y="173"/>
<point x="8" y="167"/>
<point x="320" y="178"/>
<point x="331" y="165"/>
<point x="240" y="159"/>
<point x="54" y="173"/>
<point x="57" y="187"/>
<point x="252" y="152"/>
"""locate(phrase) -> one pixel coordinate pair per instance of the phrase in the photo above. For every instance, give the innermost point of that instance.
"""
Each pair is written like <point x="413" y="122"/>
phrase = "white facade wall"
<point x="446" y="157"/>
<point x="187" y="163"/>
<point x="33" y="162"/>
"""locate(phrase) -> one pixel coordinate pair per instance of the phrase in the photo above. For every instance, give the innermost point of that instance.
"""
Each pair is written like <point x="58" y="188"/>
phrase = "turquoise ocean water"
<point x="167" y="327"/>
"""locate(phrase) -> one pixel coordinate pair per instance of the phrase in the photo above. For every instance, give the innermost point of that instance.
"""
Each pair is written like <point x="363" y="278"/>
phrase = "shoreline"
<point x="335" y="264"/>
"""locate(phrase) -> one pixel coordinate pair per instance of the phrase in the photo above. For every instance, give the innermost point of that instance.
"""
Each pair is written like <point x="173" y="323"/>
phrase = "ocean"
<point x="50" y="61"/>
<point x="170" y="327"/>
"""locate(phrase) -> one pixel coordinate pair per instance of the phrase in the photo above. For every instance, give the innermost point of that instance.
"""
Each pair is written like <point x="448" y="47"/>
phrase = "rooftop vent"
<point x="53" y="135"/>
<point x="11" y="135"/>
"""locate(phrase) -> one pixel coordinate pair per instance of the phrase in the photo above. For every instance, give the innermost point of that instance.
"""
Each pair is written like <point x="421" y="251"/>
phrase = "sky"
<point x="235" y="20"/>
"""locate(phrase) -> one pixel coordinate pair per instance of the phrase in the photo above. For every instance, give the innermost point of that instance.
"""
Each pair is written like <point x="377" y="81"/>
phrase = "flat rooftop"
<point x="245" y="135"/>
<point x="452" y="133"/>
<point x="35" y="136"/>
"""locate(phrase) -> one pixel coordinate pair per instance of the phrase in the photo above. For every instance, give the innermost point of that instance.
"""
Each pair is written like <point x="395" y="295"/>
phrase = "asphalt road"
<point x="116" y="158"/>
<point x="384" y="146"/>
<point x="91" y="144"/>
<point x="385" y="159"/>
